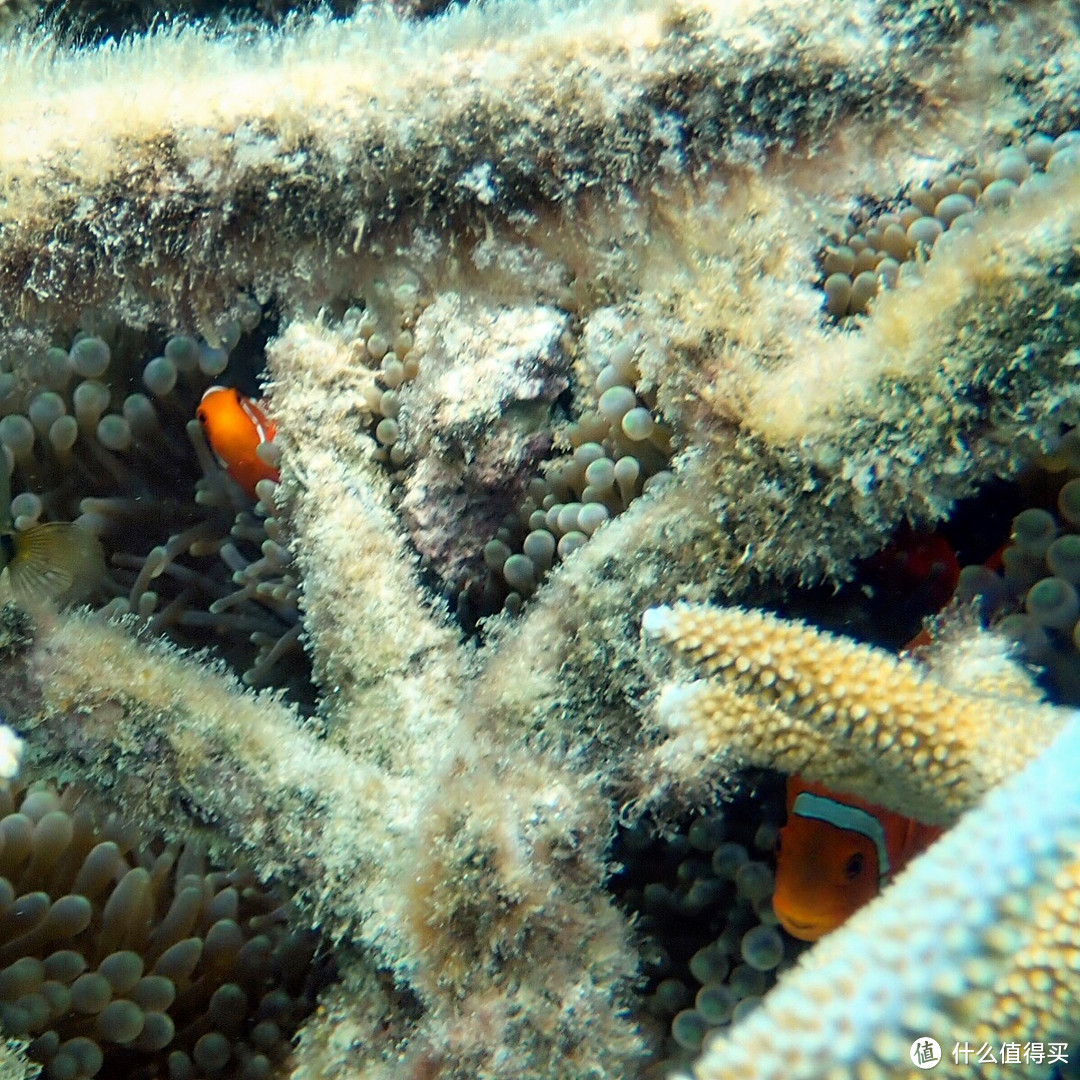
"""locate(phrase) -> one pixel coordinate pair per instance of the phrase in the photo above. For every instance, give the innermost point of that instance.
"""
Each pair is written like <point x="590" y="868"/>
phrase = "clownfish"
<point x="55" y="561"/>
<point x="834" y="854"/>
<point x="917" y="564"/>
<point x="235" y="426"/>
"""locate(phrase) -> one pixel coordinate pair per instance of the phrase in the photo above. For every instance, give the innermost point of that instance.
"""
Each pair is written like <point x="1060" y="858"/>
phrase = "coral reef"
<point x="958" y="925"/>
<point x="786" y="696"/>
<point x="661" y="173"/>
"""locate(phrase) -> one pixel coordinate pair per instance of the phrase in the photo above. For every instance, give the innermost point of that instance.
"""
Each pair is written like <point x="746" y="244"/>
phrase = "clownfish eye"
<point x="854" y="866"/>
<point x="201" y="414"/>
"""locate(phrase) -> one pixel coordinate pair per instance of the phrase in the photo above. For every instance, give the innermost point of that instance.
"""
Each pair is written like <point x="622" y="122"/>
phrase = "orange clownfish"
<point x="835" y="853"/>
<point x="235" y="426"/>
<point x="918" y="561"/>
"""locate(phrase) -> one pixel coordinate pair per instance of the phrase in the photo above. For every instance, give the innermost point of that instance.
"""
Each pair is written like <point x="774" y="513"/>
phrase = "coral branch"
<point x="647" y="182"/>
<point x="949" y="951"/>
<point x="218" y="162"/>
<point x="784" y="695"/>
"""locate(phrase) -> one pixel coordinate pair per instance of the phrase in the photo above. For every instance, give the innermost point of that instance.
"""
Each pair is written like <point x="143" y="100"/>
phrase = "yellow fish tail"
<point x="57" y="561"/>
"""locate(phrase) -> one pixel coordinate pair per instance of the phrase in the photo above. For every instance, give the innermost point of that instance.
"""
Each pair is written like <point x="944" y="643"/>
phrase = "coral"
<point x="476" y="421"/>
<point x="980" y="924"/>
<point x="13" y="1061"/>
<point x="784" y="695"/>
<point x="11" y="748"/>
<point x="619" y="451"/>
<point x="659" y="173"/>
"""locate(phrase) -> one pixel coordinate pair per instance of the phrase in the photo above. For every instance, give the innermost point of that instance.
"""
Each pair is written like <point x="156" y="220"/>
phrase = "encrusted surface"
<point x="661" y="172"/>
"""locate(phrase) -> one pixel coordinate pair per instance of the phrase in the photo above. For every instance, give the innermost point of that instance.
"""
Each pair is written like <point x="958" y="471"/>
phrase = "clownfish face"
<point x="834" y="854"/>
<point x="235" y="427"/>
<point x="823" y="874"/>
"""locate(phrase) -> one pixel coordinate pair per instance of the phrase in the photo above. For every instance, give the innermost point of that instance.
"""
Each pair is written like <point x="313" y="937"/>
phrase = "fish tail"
<point x="57" y="561"/>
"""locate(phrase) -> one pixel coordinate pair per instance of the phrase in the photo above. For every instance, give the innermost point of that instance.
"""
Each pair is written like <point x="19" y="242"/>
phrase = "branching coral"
<point x="978" y="925"/>
<point x="661" y="172"/>
<point x="783" y="695"/>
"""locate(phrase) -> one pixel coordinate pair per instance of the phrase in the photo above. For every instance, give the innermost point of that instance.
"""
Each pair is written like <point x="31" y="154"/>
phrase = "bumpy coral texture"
<point x="785" y="695"/>
<point x="980" y="949"/>
<point x="665" y="173"/>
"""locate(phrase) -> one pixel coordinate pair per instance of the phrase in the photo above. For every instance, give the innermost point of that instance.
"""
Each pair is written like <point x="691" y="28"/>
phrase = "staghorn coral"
<point x="783" y="695"/>
<point x="664" y="173"/>
<point x="926" y="741"/>
<point x="14" y="1063"/>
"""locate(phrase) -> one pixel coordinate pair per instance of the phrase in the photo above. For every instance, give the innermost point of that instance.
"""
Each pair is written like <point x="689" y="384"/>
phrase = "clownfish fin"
<point x="917" y="838"/>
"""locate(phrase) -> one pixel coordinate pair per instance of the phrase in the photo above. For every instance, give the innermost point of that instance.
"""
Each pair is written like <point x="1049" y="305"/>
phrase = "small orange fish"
<point x="835" y="853"/>
<point x="235" y="426"/>
<point x="918" y="563"/>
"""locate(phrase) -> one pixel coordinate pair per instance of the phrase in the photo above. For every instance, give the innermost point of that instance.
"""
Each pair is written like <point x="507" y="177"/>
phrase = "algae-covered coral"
<point x="654" y="177"/>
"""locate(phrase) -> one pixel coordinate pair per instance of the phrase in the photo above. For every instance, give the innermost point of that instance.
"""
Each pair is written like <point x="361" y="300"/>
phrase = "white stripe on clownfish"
<point x="842" y="816"/>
